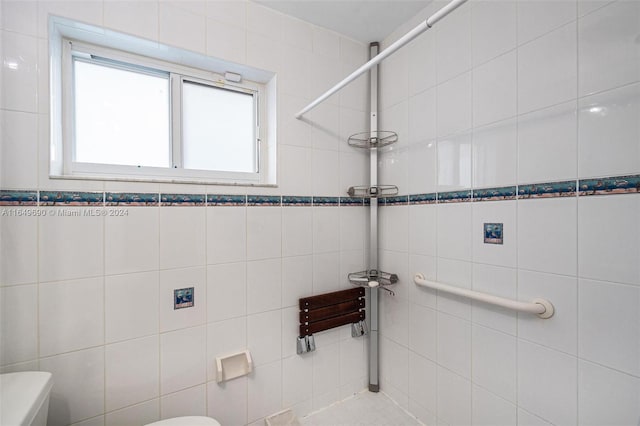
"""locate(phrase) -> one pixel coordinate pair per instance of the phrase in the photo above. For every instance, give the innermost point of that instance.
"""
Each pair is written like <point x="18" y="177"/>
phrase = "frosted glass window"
<point x="121" y="116"/>
<point x="218" y="129"/>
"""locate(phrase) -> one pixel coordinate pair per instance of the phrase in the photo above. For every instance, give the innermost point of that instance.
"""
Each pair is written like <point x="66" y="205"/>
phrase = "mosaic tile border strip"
<point x="226" y="200"/>
<point x="608" y="186"/>
<point x="131" y="199"/>
<point x="582" y="187"/>
<point x="69" y="198"/>
<point x="182" y="199"/>
<point x="18" y="198"/>
<point x="495" y="194"/>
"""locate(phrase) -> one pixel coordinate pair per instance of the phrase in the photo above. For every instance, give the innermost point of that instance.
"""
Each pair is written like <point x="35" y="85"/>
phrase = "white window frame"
<point x="67" y="37"/>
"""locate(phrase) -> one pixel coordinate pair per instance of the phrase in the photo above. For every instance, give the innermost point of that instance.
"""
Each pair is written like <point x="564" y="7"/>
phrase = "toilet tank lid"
<point x="187" y="421"/>
<point x="22" y="395"/>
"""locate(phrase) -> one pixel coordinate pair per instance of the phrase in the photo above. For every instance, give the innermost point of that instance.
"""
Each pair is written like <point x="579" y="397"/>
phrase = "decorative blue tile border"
<point x="547" y="190"/>
<point x="291" y="200"/>
<point x="583" y="187"/>
<point x="326" y="201"/>
<point x="68" y="198"/>
<point x="131" y="199"/>
<point x="351" y="201"/>
<point x="495" y="194"/>
<point x="610" y="185"/>
<point x="399" y="200"/>
<point x="454" y="196"/>
<point x="264" y="200"/>
<point x="430" y="198"/>
<point x="182" y="199"/>
<point x="18" y="198"/>
<point x="226" y="200"/>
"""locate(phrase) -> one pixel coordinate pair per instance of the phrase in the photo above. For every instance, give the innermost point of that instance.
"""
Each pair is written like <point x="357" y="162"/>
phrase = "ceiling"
<point x="363" y="20"/>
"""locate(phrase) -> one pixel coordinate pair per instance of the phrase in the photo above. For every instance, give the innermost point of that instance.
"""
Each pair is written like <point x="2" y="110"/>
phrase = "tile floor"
<point x="364" y="408"/>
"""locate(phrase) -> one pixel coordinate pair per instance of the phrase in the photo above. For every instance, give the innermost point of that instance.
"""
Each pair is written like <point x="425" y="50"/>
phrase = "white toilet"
<point x="24" y="398"/>
<point x="186" y="421"/>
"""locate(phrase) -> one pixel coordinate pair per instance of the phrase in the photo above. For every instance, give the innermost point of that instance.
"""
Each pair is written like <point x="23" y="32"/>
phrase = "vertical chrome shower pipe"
<point x="374" y="385"/>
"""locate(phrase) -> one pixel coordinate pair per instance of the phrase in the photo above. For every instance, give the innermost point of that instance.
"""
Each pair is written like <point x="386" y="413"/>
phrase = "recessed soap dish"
<point x="232" y="366"/>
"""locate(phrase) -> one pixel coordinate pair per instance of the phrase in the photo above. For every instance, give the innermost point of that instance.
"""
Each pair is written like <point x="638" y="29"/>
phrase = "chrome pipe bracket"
<point x="373" y="191"/>
<point x="359" y="329"/>
<point x="305" y="344"/>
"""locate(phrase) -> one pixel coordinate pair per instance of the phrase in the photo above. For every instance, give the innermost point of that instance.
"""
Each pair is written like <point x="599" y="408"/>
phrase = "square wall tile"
<point x="454" y="162"/>
<point x="422" y="67"/>
<point x="326" y="269"/>
<point x="226" y="291"/>
<point x="78" y="390"/>
<point x="188" y="402"/>
<point x="297" y="279"/>
<point x="225" y="41"/>
<point x="181" y="28"/>
<point x="175" y="279"/>
<point x="18" y="250"/>
<point x="394" y="319"/>
<point x="394" y="79"/>
<point x="608" y="135"/>
<point x="264" y="285"/>
<point x="422" y="230"/>
<point x="547" y="144"/>
<point x="454" y="344"/>
<point x="19" y="77"/>
<point x="423" y="333"/>
<point x="20" y="16"/>
<point x="131" y="242"/>
<point x="18" y="324"/>
<point x="325" y="180"/>
<point x="553" y="80"/>
<point x="394" y="233"/>
<point x="394" y="365"/>
<point x="495" y="89"/>
<point x="609" y="33"/>
<point x="224" y="338"/>
<point x="353" y="228"/>
<point x="182" y="359"/>
<point x="455" y="112"/>
<point x="609" y="325"/>
<point x="547" y="235"/>
<point x="297" y="379"/>
<point x="606" y="396"/>
<point x="19" y="131"/>
<point x="417" y="294"/>
<point x="494" y="359"/>
<point x="226" y="234"/>
<point x="494" y="154"/>
<point x="423" y="161"/>
<point x="488" y="409"/>
<point x="131" y="306"/>
<point x="227" y="401"/>
<point x="458" y="273"/>
<point x="546" y="376"/>
<point x="501" y="282"/>
<point x="139" y="18"/>
<point x="64" y="328"/>
<point x="146" y="412"/>
<point x="422" y="382"/>
<point x="558" y="332"/>
<point x="422" y="116"/>
<point x="393" y="166"/>
<point x="264" y="391"/>
<point x="70" y="246"/>
<point x="131" y="372"/>
<point x="453" y="44"/>
<point x="608" y="236"/>
<point x="264" y="337"/>
<point x="326" y="229"/>
<point x="264" y="232"/>
<point x="182" y="236"/>
<point x="297" y="231"/>
<point x="493" y="29"/>
<point x="536" y="18"/>
<point x="454" y="233"/>
<point x="454" y="398"/>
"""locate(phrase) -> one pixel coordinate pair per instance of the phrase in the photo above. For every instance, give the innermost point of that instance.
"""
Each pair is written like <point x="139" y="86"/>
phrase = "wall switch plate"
<point x="183" y="298"/>
<point x="493" y="233"/>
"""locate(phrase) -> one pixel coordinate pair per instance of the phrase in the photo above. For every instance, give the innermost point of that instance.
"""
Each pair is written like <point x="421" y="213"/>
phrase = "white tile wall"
<point x="434" y="91"/>
<point x="547" y="92"/>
